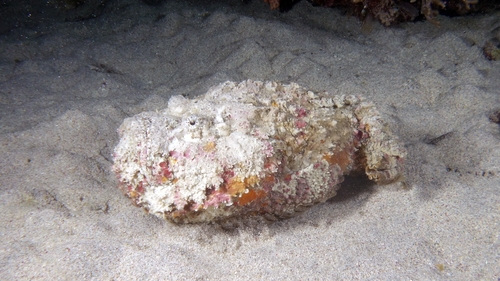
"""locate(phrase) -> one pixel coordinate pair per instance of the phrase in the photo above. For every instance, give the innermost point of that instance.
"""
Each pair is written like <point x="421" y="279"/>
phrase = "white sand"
<point x="67" y="87"/>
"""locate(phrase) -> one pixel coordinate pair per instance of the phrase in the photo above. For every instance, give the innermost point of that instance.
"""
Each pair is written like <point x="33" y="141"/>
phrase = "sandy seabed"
<point x="66" y="87"/>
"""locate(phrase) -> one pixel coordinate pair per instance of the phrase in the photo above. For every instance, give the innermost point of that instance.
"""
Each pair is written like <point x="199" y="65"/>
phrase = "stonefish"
<point x="253" y="148"/>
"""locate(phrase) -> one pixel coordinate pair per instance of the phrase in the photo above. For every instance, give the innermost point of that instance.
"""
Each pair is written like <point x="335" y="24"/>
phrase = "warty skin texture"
<point x="251" y="148"/>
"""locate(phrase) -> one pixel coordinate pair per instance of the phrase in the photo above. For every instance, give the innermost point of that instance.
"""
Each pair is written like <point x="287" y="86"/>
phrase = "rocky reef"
<point x="251" y="148"/>
<point x="396" y="11"/>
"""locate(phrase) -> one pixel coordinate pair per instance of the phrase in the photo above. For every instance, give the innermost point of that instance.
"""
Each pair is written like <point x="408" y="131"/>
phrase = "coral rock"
<point x="253" y="148"/>
<point x="273" y="4"/>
